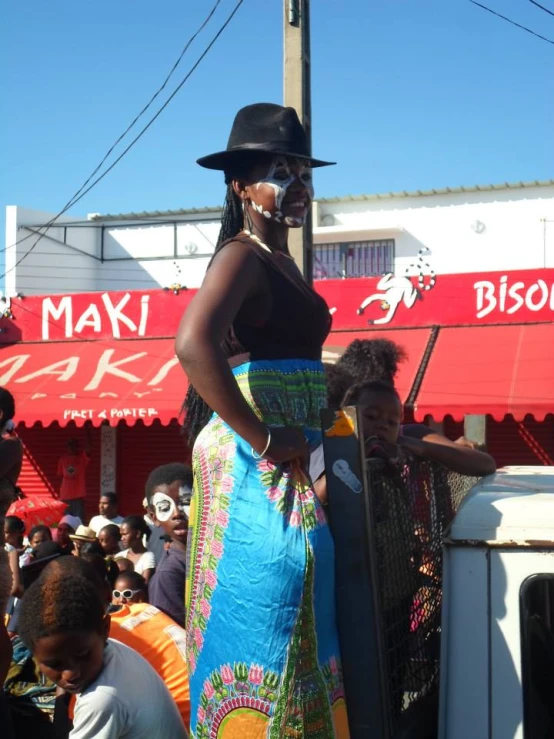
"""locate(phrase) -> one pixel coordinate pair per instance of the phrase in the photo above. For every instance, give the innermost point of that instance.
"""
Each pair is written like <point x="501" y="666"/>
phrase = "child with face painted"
<point x="168" y="493"/>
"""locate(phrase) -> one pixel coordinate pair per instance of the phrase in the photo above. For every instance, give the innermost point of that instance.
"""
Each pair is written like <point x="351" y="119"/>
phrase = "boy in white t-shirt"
<point x="118" y="694"/>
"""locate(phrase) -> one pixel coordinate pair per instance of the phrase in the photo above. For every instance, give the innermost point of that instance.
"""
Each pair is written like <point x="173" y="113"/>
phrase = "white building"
<point x="473" y="229"/>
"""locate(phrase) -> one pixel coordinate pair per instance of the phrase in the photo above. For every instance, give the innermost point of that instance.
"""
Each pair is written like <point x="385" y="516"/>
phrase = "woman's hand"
<point x="287" y="444"/>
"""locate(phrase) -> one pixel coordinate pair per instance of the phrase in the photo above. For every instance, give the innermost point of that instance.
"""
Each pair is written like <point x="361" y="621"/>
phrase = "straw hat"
<point x="83" y="533"/>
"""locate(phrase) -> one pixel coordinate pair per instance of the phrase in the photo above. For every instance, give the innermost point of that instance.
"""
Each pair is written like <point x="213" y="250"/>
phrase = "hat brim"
<point x="222" y="160"/>
<point x="74" y="537"/>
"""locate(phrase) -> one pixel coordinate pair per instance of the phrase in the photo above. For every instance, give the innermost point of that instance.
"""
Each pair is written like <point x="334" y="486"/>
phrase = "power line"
<point x="154" y="96"/>
<point x="83" y="190"/>
<point x="546" y="10"/>
<point x="129" y="127"/>
<point x="524" y="28"/>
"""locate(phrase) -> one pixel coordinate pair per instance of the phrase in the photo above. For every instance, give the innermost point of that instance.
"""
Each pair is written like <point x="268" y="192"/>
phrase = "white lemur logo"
<point x="394" y="290"/>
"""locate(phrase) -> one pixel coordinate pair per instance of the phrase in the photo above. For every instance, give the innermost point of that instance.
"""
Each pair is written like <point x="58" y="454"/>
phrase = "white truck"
<point x="497" y="640"/>
<point x="445" y="595"/>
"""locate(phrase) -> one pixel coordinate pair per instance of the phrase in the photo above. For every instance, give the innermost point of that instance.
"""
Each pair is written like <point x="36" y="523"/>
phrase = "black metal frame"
<point x="357" y="595"/>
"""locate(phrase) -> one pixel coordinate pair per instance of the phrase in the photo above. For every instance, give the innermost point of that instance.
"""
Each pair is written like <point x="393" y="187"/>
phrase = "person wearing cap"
<point x="82" y="535"/>
<point x="260" y="595"/>
<point x="68" y="525"/>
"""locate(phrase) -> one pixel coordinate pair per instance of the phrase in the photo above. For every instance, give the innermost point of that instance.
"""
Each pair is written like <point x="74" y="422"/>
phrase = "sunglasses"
<point x="127" y="594"/>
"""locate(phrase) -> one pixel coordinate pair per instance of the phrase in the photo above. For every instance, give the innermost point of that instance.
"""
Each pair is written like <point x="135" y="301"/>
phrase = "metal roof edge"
<point x="439" y="191"/>
<point x="216" y="210"/>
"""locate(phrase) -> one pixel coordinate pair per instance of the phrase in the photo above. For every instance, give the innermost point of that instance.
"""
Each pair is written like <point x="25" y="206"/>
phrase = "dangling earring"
<point x="248" y="223"/>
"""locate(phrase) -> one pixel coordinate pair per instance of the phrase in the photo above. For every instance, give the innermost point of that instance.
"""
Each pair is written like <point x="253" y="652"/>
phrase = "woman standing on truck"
<point x="263" y="649"/>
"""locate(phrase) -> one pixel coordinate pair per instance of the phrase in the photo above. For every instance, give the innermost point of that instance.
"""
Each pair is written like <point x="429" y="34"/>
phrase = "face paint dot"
<point x="267" y="214"/>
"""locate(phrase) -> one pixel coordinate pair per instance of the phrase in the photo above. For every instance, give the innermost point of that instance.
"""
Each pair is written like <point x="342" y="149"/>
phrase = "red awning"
<point x="413" y="341"/>
<point x="131" y="380"/>
<point x="493" y="370"/>
<point x="94" y="381"/>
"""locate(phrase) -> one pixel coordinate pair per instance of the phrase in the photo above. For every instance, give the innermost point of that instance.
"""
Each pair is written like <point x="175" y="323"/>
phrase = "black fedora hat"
<point x="266" y="128"/>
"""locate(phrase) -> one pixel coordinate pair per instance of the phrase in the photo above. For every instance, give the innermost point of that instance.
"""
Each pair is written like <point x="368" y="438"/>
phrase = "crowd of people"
<point x="212" y="610"/>
<point x="91" y="603"/>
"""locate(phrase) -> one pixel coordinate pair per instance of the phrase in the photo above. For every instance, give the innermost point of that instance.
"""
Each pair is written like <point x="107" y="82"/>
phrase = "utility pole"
<point x="298" y="95"/>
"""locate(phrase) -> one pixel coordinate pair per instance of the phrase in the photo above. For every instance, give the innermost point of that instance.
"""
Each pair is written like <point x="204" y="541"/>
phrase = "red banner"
<point x="378" y="302"/>
<point x="450" y="300"/>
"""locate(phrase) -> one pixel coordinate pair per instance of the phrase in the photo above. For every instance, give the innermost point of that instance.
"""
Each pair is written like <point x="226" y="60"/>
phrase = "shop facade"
<point x="102" y="365"/>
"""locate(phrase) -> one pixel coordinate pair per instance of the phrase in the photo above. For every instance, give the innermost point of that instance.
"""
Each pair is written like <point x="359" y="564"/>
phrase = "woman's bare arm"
<point x="456" y="457"/>
<point x="235" y="276"/>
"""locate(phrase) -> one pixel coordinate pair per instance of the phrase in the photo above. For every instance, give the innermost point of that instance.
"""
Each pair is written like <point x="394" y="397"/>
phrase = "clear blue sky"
<point x="407" y="94"/>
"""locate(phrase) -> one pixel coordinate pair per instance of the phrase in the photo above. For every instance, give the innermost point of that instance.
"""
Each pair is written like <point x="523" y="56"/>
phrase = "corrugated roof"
<point x="152" y="214"/>
<point x="215" y="210"/>
<point x="442" y="191"/>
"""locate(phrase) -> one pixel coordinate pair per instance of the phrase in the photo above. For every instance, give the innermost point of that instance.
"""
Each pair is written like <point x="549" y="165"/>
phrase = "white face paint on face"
<point x="281" y="175"/>
<point x="184" y="500"/>
<point x="166" y="508"/>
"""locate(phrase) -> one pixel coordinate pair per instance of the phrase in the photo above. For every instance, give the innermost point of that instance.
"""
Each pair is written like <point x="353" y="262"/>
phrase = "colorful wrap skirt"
<point x="262" y="642"/>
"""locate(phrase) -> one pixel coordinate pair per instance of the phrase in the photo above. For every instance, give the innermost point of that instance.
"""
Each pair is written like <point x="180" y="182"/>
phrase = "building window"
<point x="537" y="655"/>
<point x="353" y="259"/>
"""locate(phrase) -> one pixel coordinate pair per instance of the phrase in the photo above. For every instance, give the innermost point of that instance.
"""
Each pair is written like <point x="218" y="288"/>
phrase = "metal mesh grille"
<point x="411" y="507"/>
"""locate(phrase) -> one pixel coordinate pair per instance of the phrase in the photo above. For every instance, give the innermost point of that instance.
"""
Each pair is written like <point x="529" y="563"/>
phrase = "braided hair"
<point x="196" y="411"/>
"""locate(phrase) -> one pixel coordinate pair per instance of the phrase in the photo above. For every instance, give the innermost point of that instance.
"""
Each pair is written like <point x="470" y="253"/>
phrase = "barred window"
<point x="353" y="259"/>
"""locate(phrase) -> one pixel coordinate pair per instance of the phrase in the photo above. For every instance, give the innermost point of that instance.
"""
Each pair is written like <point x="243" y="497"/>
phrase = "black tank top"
<point x="298" y="323"/>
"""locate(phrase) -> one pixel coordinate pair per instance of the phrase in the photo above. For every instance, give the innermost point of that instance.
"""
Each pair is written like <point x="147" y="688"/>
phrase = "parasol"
<point x="39" y="509"/>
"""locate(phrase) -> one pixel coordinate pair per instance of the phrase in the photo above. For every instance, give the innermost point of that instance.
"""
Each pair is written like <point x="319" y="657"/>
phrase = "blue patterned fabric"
<point x="263" y="649"/>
